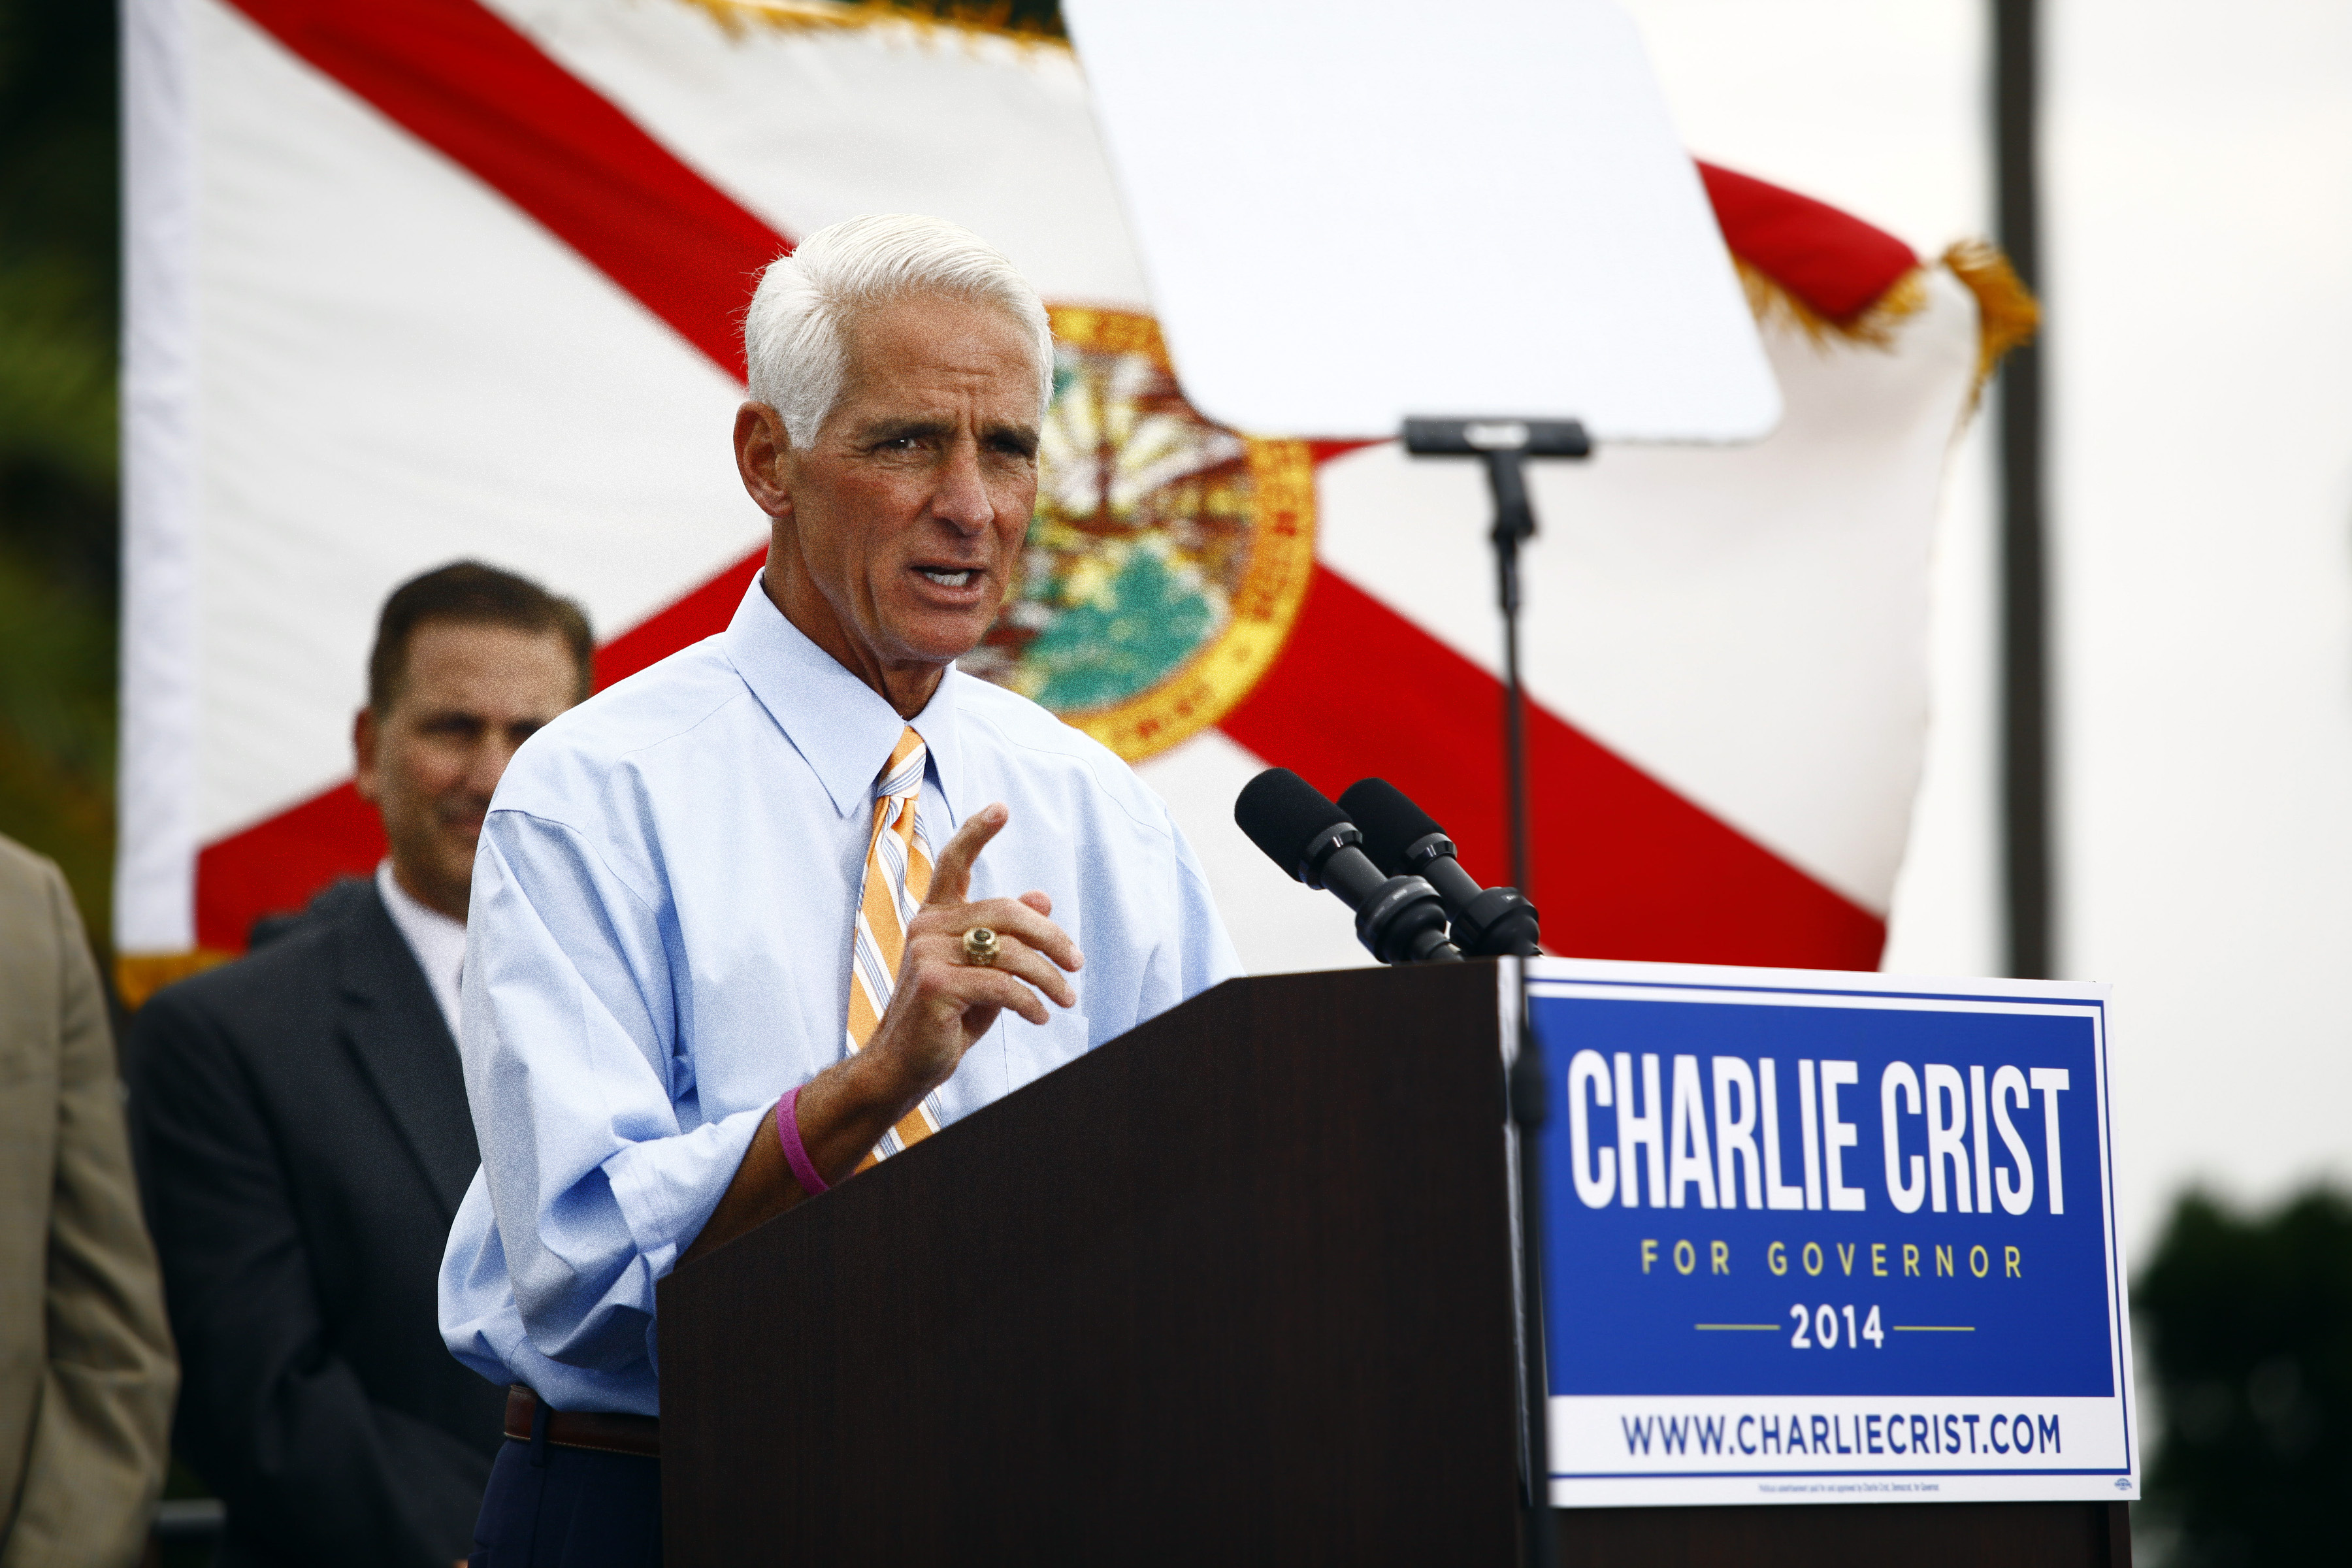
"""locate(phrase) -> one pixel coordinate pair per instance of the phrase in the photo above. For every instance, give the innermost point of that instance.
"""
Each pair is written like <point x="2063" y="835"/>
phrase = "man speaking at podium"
<point x="756" y="917"/>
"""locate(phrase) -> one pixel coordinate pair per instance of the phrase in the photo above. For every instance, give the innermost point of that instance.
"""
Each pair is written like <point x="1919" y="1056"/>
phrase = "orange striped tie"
<point x="898" y="880"/>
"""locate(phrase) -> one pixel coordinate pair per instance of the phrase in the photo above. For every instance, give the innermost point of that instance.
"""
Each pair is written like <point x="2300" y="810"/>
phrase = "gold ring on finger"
<point x="980" y="946"/>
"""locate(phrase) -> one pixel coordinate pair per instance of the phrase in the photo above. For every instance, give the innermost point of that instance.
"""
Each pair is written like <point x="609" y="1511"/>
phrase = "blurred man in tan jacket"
<point x="87" y="1373"/>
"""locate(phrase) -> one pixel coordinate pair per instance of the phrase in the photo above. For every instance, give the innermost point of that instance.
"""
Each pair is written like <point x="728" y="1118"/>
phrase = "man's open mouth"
<point x="947" y="579"/>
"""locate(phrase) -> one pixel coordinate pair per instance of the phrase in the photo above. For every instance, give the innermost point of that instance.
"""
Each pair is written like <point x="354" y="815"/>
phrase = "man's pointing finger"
<point x="951" y="876"/>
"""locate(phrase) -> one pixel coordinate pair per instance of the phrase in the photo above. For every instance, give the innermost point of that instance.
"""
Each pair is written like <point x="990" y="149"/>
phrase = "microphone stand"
<point x="1515" y="524"/>
<point x="1504" y="444"/>
<point x="1538" y="1537"/>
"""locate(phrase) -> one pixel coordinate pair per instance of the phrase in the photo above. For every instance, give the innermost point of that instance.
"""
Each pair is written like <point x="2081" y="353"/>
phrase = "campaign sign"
<point x="1821" y="1237"/>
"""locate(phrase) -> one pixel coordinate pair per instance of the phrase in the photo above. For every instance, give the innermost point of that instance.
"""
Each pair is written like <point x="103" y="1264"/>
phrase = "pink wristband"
<point x="788" y="1134"/>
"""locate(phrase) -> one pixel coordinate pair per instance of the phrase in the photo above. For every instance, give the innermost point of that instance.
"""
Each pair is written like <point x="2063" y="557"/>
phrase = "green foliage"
<point x="59" y="285"/>
<point x="2248" y="1323"/>
<point x="57" y="724"/>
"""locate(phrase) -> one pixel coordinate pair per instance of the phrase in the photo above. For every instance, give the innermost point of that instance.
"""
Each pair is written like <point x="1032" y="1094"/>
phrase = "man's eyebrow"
<point x="902" y="429"/>
<point x="1024" y="435"/>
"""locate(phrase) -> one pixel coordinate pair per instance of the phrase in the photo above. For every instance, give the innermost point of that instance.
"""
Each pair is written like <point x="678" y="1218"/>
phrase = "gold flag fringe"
<point x="1874" y="324"/>
<point x="911" y="17"/>
<point x="2007" y="315"/>
<point x="139" y="975"/>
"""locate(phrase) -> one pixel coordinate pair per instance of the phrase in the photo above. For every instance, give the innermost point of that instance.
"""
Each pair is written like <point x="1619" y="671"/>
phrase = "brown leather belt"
<point x="600" y="1429"/>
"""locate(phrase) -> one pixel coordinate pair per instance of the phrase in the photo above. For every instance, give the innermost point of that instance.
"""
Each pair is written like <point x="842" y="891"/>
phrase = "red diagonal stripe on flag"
<point x="1626" y="867"/>
<point x="1832" y="260"/>
<point x="462" y="80"/>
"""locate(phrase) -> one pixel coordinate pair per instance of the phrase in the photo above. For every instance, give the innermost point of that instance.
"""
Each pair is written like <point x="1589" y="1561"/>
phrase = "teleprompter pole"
<point x="1504" y="444"/>
<point x="2024" y="609"/>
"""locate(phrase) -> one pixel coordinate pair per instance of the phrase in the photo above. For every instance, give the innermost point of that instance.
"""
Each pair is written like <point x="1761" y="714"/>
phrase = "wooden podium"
<point x="1235" y="1287"/>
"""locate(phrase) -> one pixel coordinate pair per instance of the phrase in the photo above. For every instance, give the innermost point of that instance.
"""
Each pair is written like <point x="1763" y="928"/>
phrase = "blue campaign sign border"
<point x="1817" y="1475"/>
<point x="1606" y="981"/>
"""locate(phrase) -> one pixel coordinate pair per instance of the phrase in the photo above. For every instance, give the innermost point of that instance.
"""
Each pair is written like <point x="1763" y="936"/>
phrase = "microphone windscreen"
<point x="1282" y="813"/>
<point x="1389" y="821"/>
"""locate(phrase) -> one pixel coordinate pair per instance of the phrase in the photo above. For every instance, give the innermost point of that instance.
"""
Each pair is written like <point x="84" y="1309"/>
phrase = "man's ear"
<point x="364" y="751"/>
<point x="762" y="446"/>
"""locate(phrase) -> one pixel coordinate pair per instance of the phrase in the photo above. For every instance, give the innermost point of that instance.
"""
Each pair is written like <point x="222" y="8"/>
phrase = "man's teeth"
<point x="947" y="579"/>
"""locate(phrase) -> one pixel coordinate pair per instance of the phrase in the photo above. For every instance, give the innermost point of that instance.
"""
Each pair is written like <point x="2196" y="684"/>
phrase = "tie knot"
<point x="903" y="773"/>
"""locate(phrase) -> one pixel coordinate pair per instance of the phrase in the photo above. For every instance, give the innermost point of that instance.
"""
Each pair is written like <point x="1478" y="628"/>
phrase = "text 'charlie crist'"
<point x="1935" y="1125"/>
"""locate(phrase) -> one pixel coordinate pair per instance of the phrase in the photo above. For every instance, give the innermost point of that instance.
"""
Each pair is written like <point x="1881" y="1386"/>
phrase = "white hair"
<point x="792" y="336"/>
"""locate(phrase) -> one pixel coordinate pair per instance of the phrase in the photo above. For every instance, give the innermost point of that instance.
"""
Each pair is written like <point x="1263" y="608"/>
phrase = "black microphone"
<point x="1403" y="839"/>
<point x="1400" y="919"/>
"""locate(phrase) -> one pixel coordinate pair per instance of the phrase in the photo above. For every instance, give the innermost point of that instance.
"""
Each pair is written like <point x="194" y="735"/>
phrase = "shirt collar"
<point x="414" y="915"/>
<point x="437" y="942"/>
<point x="842" y="727"/>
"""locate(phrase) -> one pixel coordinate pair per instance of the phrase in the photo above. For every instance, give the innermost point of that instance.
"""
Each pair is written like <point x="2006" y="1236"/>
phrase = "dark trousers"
<point x="549" y="1507"/>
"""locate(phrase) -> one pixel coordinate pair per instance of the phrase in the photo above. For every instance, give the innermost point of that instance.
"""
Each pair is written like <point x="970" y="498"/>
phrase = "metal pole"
<point x="1514" y="523"/>
<point x="1527" y="1093"/>
<point x="2024" y="620"/>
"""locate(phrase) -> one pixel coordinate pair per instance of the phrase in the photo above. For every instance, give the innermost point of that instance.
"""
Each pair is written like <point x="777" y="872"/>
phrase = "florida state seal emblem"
<point x="1167" y="556"/>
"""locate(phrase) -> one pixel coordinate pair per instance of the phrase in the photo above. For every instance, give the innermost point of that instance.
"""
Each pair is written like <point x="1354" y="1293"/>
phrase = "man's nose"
<point x="963" y="498"/>
<point x="487" y="764"/>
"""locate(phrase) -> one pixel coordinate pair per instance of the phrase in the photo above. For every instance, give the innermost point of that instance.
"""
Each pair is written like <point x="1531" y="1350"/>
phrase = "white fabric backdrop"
<point x="394" y="367"/>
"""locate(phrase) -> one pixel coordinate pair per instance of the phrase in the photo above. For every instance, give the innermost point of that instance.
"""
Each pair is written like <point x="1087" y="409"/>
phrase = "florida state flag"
<point x="422" y="279"/>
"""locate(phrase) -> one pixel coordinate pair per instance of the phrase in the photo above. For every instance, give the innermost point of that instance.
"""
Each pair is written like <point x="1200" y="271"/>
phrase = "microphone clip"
<point x="1487" y="922"/>
<point x="1399" y="920"/>
<point x="1404" y="921"/>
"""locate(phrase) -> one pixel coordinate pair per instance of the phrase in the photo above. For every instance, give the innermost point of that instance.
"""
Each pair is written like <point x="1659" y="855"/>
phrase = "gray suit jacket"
<point x="86" y="1372"/>
<point x="307" y="1144"/>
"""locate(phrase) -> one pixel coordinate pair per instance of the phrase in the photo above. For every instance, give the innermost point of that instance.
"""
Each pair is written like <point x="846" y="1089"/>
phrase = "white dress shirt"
<point x="438" y="942"/>
<point x="659" y="947"/>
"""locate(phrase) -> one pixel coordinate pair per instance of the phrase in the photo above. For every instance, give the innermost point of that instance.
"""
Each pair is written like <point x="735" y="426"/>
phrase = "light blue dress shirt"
<point x="659" y="943"/>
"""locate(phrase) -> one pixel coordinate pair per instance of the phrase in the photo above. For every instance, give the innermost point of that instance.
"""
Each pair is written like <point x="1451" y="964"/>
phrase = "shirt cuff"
<point x="668" y="1187"/>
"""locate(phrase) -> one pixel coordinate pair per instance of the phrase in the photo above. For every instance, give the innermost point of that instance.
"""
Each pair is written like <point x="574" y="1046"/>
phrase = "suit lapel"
<point x="392" y="1025"/>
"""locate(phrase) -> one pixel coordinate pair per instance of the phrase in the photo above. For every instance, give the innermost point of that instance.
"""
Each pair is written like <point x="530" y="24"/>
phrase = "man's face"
<point x="906" y="514"/>
<point x="470" y="695"/>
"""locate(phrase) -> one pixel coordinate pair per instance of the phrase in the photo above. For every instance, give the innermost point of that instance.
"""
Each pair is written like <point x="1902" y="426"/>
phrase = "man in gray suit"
<point x="306" y="1131"/>
<point x="86" y="1372"/>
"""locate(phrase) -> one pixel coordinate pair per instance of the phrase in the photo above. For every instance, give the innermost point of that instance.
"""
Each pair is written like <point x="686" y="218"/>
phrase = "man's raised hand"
<point x="943" y="1001"/>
